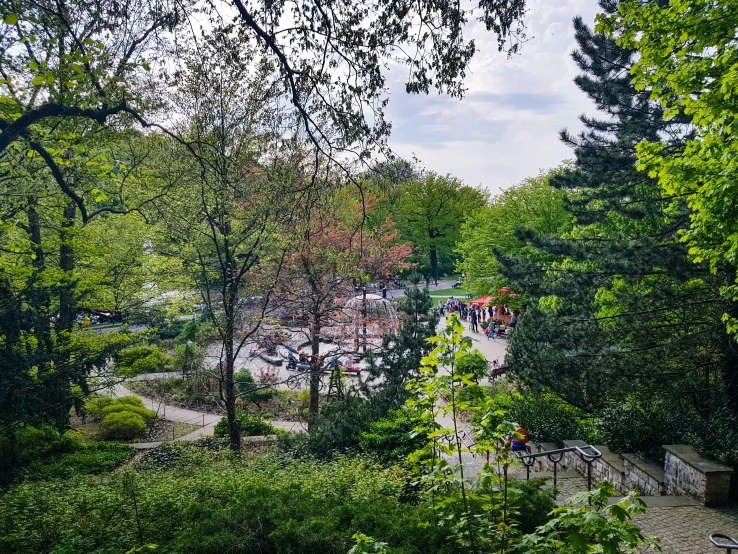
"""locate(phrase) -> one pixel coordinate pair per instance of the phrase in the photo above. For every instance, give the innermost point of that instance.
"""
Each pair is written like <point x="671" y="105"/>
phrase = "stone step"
<point x="653" y="501"/>
<point x="517" y="474"/>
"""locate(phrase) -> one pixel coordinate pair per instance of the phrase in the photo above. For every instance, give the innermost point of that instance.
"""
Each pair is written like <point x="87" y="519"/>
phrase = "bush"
<point x="131" y="401"/>
<point x="392" y="438"/>
<point x="250" y="391"/>
<point x="190" y="331"/>
<point x="546" y="417"/>
<point x="136" y="360"/>
<point x="268" y="505"/>
<point x="94" y="407"/>
<point x="534" y="503"/>
<point x="641" y="429"/>
<point x="251" y="426"/>
<point x="147" y="415"/>
<point x="168" y="331"/>
<point x="123" y="425"/>
<point x="84" y="459"/>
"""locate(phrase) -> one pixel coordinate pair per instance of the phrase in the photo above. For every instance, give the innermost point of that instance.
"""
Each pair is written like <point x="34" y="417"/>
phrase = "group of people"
<point x="475" y="315"/>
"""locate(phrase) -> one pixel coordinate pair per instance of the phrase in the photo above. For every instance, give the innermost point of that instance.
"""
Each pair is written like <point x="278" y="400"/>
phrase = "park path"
<point x="183" y="415"/>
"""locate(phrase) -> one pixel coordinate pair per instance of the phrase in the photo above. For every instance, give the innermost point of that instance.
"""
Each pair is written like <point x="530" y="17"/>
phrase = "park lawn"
<point x="445" y="293"/>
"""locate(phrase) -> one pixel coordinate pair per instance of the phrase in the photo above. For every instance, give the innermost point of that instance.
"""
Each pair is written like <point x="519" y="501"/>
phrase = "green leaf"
<point x="10" y="19"/>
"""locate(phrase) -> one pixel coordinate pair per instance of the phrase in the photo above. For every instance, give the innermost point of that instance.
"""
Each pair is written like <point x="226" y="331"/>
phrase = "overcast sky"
<point x="506" y="127"/>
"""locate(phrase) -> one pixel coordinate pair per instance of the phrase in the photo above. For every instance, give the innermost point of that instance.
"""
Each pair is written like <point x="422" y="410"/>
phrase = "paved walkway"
<point x="183" y="415"/>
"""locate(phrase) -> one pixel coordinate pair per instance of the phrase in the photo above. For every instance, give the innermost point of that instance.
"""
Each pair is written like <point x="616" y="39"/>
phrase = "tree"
<point x="686" y="59"/>
<point x="330" y="255"/>
<point x="618" y="315"/>
<point x="68" y="70"/>
<point x="331" y="58"/>
<point x="532" y="204"/>
<point x="399" y="358"/>
<point x="430" y="211"/>
<point x="223" y="223"/>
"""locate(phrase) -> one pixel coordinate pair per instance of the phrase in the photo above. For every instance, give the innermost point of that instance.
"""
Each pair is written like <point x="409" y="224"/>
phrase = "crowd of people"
<point x="475" y="315"/>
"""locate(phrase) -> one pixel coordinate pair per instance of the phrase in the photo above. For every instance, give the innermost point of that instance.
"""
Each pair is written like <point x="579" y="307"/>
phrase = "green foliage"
<point x="123" y="425"/>
<point x="588" y="524"/>
<point x="43" y="453"/>
<point x="136" y="360"/>
<point x="546" y="417"/>
<point x="168" y="331"/>
<point x="250" y="425"/>
<point x="190" y="331"/>
<point x="129" y="401"/>
<point x="250" y="391"/>
<point x="533" y="204"/>
<point x="148" y="415"/>
<point x="215" y="503"/>
<point x="642" y="429"/>
<point x="429" y="212"/>
<point x="85" y="459"/>
<point x="392" y="438"/>
<point x="533" y="503"/>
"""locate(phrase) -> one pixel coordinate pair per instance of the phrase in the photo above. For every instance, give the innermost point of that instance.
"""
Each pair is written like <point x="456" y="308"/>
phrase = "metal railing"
<point x="588" y="454"/>
<point x="729" y="547"/>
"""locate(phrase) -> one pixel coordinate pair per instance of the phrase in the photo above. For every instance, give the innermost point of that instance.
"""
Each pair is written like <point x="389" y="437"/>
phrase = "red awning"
<point x="481" y="301"/>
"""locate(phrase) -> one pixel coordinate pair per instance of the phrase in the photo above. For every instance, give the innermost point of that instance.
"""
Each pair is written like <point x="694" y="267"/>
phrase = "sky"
<point x="506" y="127"/>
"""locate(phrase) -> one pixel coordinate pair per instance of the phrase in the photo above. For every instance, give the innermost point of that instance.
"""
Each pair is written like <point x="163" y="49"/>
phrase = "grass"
<point x="445" y="294"/>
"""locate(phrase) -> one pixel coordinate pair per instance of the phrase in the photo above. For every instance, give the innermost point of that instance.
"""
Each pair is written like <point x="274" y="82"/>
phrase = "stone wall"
<point x="643" y="476"/>
<point x="685" y="472"/>
<point x="689" y="474"/>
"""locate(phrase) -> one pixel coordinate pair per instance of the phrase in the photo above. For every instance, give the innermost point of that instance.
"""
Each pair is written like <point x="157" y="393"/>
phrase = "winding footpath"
<point x="183" y="415"/>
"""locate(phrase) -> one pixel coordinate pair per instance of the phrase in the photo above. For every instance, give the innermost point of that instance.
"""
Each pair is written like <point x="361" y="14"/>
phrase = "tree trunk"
<point x="38" y="294"/>
<point x="434" y="263"/>
<point x="67" y="303"/>
<point x="61" y="382"/>
<point x="229" y="396"/>
<point x="314" y="373"/>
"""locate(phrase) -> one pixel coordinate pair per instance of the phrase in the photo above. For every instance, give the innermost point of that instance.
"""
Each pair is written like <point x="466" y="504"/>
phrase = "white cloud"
<point x="506" y="128"/>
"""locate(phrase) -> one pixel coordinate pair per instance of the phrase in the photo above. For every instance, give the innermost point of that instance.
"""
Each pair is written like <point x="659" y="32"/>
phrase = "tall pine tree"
<point x="622" y="320"/>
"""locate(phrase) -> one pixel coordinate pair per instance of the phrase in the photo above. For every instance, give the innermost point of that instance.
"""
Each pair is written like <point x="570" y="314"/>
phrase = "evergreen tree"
<point x="622" y="317"/>
<point x="401" y="352"/>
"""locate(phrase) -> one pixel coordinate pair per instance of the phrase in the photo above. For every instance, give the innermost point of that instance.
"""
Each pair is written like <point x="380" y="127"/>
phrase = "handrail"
<point x="714" y="537"/>
<point x="588" y="454"/>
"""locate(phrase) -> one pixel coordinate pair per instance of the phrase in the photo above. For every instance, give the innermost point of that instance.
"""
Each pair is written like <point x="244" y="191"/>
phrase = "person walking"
<point x="473" y="319"/>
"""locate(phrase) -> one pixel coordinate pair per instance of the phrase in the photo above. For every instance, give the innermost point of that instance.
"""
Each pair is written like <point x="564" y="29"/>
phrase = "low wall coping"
<point x="611" y="458"/>
<point x="689" y="455"/>
<point x="568" y="444"/>
<point x="648" y="467"/>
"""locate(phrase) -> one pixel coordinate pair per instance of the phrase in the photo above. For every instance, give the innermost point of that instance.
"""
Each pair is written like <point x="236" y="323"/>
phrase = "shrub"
<point x="546" y="417"/>
<point x="269" y="505"/>
<point x="189" y="331"/>
<point x="131" y="400"/>
<point x="123" y="425"/>
<point x="136" y="360"/>
<point x="631" y="427"/>
<point x="250" y="390"/>
<point x="146" y="414"/>
<point x="392" y="438"/>
<point x="95" y="406"/>
<point x="251" y="426"/>
<point x="533" y="503"/>
<point x="168" y="331"/>
<point x="84" y="459"/>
